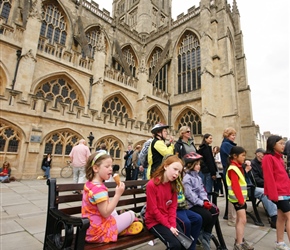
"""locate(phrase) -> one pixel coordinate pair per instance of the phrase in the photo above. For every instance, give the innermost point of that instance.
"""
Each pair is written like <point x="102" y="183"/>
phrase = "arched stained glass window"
<point x="58" y="91"/>
<point x="9" y="138"/>
<point x="154" y="116"/>
<point x="189" y="68"/>
<point x="113" y="146"/>
<point x="115" y="106"/>
<point x="161" y="79"/>
<point x="53" y="25"/>
<point x="60" y="143"/>
<point x="191" y="119"/>
<point x="5" y="7"/>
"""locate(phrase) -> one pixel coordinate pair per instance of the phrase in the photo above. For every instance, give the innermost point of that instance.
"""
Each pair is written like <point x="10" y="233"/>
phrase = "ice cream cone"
<point x="117" y="179"/>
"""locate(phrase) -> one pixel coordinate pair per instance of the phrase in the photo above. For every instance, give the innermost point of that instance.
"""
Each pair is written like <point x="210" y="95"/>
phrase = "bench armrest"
<point x="60" y="235"/>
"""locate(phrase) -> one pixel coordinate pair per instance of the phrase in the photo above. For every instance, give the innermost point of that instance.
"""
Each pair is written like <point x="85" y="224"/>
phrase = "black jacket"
<point x="180" y="149"/>
<point x="208" y="163"/>
<point x="257" y="172"/>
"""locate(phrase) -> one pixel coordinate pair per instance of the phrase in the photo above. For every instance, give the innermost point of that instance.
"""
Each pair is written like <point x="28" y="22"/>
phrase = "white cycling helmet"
<point x="158" y="127"/>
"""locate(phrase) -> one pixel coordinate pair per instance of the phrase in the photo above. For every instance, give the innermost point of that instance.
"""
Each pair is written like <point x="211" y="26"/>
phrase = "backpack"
<point x="144" y="153"/>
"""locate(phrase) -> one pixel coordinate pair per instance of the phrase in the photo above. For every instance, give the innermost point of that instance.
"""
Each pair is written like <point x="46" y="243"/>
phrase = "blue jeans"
<point x="3" y="178"/>
<point x="135" y="173"/>
<point x="47" y="171"/>
<point x="207" y="181"/>
<point x="144" y="174"/>
<point x="191" y="223"/>
<point x="269" y="205"/>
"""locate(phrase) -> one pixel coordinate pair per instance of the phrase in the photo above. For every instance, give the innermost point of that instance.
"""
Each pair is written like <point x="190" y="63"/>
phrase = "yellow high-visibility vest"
<point x="243" y="184"/>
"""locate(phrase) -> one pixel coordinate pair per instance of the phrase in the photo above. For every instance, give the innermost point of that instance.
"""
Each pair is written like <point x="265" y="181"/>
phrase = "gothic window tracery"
<point x="53" y="25"/>
<point x="154" y="116"/>
<point x="92" y="38"/>
<point x="161" y="79"/>
<point x="115" y="106"/>
<point x="9" y="138"/>
<point x="130" y="59"/>
<point x="59" y="91"/>
<point x="113" y="146"/>
<point x="60" y="143"/>
<point x="189" y="64"/>
<point x="191" y="119"/>
<point x="5" y="7"/>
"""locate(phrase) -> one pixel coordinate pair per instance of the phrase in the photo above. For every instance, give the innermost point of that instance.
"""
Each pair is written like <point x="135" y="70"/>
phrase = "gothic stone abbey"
<point x="69" y="68"/>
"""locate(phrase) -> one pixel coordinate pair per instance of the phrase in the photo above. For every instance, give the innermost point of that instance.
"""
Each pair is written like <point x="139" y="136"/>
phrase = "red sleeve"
<point x="270" y="187"/>
<point x="151" y="207"/>
<point x="236" y="186"/>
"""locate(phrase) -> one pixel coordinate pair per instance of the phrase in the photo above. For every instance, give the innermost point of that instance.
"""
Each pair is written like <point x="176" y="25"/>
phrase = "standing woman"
<point x="229" y="136"/>
<point x="277" y="187"/>
<point x="218" y="186"/>
<point x="185" y="143"/>
<point x="208" y="167"/>
<point x="46" y="165"/>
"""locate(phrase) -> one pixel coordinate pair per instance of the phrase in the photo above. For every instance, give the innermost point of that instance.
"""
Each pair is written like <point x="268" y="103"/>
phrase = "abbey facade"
<point x="69" y="69"/>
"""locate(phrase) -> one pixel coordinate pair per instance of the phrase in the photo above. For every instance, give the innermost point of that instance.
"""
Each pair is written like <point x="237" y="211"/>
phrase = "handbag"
<point x="184" y="240"/>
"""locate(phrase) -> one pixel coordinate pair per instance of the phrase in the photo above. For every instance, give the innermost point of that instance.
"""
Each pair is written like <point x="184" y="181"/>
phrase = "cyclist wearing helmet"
<point x="197" y="198"/>
<point x="158" y="148"/>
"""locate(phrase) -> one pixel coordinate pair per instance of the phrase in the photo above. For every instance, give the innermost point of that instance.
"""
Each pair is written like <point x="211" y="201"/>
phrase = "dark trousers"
<point x="218" y="186"/>
<point x="191" y="223"/>
<point x="166" y="236"/>
<point x="209" y="217"/>
<point x="128" y="173"/>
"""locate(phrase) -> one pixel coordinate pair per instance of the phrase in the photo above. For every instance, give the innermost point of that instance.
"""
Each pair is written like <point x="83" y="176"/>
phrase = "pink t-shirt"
<point x="79" y="155"/>
<point x="101" y="229"/>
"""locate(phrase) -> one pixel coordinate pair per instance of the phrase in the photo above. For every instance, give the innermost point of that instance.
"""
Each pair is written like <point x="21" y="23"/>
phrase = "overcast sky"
<point x="265" y="26"/>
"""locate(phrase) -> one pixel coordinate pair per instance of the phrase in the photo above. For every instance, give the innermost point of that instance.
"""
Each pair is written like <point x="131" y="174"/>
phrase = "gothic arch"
<point x="114" y="146"/>
<point x="188" y="116"/>
<point x="182" y="34"/>
<point x="68" y="18"/>
<point x="61" y="141"/>
<point x="3" y="79"/>
<point x="99" y="26"/>
<point x="124" y="100"/>
<point x="156" y="47"/>
<point x="133" y="51"/>
<point x="71" y="84"/>
<point x="11" y="137"/>
<point x="154" y="115"/>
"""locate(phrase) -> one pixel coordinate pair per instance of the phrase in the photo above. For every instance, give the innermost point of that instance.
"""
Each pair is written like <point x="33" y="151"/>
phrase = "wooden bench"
<point x="65" y="229"/>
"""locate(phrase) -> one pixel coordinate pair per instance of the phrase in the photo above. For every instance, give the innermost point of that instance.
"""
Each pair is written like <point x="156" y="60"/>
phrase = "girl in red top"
<point x="161" y="191"/>
<point x="277" y="186"/>
<point x="5" y="172"/>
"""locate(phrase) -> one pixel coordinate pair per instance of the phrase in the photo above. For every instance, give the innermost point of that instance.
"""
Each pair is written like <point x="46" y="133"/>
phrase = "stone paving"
<point x="23" y="207"/>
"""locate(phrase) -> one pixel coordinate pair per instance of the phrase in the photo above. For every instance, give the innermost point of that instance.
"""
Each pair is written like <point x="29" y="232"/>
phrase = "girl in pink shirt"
<point x="161" y="191"/>
<point x="105" y="223"/>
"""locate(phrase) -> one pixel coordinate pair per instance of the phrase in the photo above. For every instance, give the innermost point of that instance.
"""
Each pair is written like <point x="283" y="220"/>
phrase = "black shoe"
<point x="273" y="220"/>
<point x="225" y="217"/>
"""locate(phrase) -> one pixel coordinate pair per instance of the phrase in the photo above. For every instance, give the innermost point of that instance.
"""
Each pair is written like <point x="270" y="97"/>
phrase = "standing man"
<point x="79" y="156"/>
<point x="136" y="162"/>
<point x="128" y="163"/>
<point x="257" y="179"/>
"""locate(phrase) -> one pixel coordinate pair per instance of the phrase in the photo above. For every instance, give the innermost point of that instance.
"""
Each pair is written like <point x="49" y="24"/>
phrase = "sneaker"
<point x="134" y="228"/>
<point x="246" y="245"/>
<point x="231" y="223"/>
<point x="281" y="246"/>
